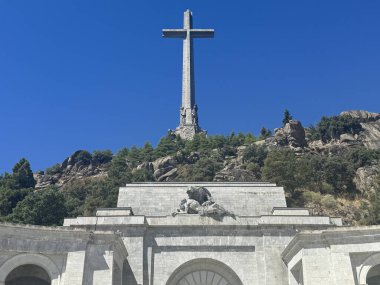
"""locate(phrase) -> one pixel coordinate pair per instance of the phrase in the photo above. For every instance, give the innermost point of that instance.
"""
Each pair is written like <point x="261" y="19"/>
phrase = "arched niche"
<point x="204" y="271"/>
<point x="369" y="269"/>
<point x="38" y="260"/>
<point x="373" y="276"/>
<point x="28" y="274"/>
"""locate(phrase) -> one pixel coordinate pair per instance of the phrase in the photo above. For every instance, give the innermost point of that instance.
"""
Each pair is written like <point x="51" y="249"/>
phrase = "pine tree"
<point x="287" y="117"/>
<point x="23" y="175"/>
<point x="264" y="133"/>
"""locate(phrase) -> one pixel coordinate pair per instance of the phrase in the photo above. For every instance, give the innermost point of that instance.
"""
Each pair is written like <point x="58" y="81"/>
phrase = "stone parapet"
<point x="186" y="220"/>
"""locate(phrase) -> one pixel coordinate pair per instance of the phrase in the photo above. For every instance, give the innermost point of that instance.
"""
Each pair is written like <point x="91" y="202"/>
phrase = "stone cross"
<point x="188" y="114"/>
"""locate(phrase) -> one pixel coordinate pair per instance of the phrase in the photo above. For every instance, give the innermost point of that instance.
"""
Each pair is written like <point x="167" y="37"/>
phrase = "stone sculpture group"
<point x="201" y="202"/>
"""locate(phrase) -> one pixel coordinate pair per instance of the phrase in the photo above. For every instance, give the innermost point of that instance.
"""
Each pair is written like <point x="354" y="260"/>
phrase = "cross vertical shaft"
<point x="188" y="92"/>
<point x="188" y="113"/>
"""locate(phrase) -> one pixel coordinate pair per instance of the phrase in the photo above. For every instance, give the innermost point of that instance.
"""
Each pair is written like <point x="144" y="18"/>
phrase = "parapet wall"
<point x="243" y="199"/>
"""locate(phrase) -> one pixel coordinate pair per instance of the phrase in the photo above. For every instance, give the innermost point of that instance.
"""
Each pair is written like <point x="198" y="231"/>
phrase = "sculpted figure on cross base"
<point x="194" y="114"/>
<point x="200" y="202"/>
<point x="183" y="116"/>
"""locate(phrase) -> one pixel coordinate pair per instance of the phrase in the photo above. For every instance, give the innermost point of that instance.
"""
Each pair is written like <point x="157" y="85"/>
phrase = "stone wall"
<point x="161" y="199"/>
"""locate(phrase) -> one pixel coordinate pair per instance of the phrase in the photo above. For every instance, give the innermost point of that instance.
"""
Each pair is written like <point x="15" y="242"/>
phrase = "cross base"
<point x="187" y="132"/>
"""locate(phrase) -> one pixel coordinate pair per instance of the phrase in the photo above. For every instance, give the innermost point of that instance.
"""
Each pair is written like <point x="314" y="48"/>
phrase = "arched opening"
<point x="28" y="274"/>
<point x="373" y="276"/>
<point x="204" y="271"/>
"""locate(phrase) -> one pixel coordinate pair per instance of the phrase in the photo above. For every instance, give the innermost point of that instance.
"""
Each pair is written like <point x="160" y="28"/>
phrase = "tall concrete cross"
<point x="188" y="126"/>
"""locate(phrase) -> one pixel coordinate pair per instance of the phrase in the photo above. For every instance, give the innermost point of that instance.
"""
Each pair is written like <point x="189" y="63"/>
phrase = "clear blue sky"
<point x="98" y="75"/>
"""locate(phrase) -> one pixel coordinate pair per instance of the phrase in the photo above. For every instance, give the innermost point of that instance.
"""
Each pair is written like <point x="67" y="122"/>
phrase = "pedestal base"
<point x="187" y="132"/>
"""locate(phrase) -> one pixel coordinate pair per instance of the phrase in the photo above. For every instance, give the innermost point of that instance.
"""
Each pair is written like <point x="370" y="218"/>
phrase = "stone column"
<point x="134" y="243"/>
<point x="342" y="269"/>
<point x="74" y="272"/>
<point x="321" y="266"/>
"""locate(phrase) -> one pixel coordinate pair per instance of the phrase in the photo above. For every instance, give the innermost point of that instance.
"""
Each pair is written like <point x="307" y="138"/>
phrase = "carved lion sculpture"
<point x="200" y="202"/>
<point x="200" y="194"/>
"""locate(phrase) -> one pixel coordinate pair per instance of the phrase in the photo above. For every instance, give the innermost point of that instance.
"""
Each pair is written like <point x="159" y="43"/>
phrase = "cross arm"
<point x="174" y="33"/>
<point x="202" y="33"/>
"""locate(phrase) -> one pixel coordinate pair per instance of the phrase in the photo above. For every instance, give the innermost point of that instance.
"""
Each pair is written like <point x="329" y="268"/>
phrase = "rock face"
<point x="362" y="115"/>
<point x="370" y="136"/>
<point x="234" y="171"/>
<point x="292" y="135"/>
<point x="365" y="178"/>
<point x="164" y="168"/>
<point x="232" y="174"/>
<point x="78" y="166"/>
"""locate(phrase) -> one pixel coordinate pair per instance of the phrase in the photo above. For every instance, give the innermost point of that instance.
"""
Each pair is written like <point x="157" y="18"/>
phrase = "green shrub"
<point x="56" y="168"/>
<point x="332" y="127"/>
<point x="101" y="156"/>
<point x="81" y="157"/>
<point x="44" y="207"/>
<point x="329" y="202"/>
<point x="311" y="197"/>
<point x="255" y="154"/>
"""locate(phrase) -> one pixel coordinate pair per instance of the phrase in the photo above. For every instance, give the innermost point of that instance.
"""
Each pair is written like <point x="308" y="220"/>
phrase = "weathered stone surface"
<point x="75" y="167"/>
<point x="232" y="173"/>
<point x="366" y="178"/>
<point x="361" y="114"/>
<point x="165" y="168"/>
<point x="164" y="162"/>
<point x="292" y="134"/>
<point x="169" y="175"/>
<point x="146" y="166"/>
<point x="161" y="171"/>
<point x="370" y="136"/>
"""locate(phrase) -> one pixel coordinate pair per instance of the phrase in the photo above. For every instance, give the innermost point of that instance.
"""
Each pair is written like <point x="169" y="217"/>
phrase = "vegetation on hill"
<point x="322" y="182"/>
<point x="332" y="127"/>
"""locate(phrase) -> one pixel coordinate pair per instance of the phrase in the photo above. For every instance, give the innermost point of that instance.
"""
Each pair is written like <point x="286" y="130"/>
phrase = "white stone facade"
<point x="140" y="242"/>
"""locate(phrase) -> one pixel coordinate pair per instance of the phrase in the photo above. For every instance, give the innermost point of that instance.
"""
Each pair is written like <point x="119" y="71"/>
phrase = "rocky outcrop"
<point x="366" y="179"/>
<point x="168" y="176"/>
<point x="164" y="168"/>
<point x="78" y="166"/>
<point x="146" y="166"/>
<point x="368" y="137"/>
<point x="292" y="135"/>
<point x="370" y="122"/>
<point x="364" y="116"/>
<point x="234" y="172"/>
<point x="371" y="134"/>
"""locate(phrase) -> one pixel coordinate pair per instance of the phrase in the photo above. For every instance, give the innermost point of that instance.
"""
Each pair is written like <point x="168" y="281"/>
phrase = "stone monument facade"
<point x="141" y="242"/>
<point x="188" y="118"/>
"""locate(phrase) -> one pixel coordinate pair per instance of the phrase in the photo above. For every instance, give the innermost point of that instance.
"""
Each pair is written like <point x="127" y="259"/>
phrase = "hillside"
<point x="333" y="168"/>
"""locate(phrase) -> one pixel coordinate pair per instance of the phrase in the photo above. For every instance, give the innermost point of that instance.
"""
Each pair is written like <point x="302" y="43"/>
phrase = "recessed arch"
<point x="367" y="265"/>
<point x="28" y="274"/>
<point x="29" y="259"/>
<point x="204" y="271"/>
<point x="373" y="276"/>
